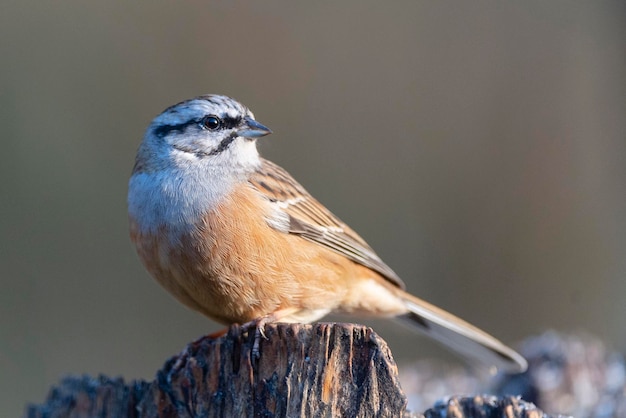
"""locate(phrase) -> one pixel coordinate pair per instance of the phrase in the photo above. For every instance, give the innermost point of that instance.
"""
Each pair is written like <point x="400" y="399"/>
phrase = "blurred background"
<point x="480" y="148"/>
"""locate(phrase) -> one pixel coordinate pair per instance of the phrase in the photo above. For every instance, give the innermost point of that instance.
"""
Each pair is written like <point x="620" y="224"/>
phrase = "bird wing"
<point x="297" y="212"/>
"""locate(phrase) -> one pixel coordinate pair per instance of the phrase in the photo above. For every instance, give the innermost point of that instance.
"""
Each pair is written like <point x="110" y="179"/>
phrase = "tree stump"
<point x="320" y="370"/>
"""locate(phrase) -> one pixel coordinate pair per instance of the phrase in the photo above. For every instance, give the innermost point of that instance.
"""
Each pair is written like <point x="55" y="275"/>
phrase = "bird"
<point x="235" y="237"/>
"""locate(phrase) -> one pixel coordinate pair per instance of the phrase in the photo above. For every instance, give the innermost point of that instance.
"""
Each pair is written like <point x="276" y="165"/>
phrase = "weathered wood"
<point x="87" y="397"/>
<point x="321" y="370"/>
<point x="484" y="406"/>
<point x="301" y="370"/>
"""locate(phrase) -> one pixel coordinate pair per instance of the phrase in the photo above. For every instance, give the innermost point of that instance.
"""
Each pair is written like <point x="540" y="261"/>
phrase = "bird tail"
<point x="460" y="336"/>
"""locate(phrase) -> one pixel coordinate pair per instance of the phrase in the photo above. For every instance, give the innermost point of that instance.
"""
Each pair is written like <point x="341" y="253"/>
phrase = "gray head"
<point x="211" y="129"/>
<point x="191" y="156"/>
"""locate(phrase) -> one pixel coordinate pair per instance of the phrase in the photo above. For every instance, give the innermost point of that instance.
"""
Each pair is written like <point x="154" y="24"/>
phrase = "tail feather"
<point x="460" y="336"/>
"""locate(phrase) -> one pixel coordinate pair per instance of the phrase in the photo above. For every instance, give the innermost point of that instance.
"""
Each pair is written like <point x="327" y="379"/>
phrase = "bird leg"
<point x="259" y="327"/>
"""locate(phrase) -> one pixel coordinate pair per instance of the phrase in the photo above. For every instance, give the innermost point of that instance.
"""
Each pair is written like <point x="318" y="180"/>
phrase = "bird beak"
<point x="253" y="129"/>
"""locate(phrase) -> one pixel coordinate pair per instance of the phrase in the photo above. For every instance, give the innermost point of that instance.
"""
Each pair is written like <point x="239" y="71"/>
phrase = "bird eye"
<point x="211" y="122"/>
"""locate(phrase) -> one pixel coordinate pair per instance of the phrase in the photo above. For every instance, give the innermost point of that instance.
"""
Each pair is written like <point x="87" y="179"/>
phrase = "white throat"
<point x="185" y="187"/>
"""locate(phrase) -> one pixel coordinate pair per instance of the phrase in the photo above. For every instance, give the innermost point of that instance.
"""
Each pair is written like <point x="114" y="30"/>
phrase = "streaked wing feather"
<point x="312" y="221"/>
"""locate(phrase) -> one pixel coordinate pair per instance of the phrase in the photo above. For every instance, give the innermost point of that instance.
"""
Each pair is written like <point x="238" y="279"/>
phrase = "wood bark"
<point x="320" y="370"/>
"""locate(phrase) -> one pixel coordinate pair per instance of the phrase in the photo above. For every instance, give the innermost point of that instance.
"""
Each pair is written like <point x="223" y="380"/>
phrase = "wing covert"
<point x="312" y="221"/>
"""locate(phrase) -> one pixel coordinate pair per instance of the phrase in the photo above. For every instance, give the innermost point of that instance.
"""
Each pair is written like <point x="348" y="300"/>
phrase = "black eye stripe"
<point x="229" y="122"/>
<point x="163" y="130"/>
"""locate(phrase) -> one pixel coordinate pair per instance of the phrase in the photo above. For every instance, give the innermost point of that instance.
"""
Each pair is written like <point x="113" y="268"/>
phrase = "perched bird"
<point x="236" y="238"/>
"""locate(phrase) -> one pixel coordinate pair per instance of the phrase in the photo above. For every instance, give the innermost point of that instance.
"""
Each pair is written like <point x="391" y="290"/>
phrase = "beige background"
<point x="480" y="147"/>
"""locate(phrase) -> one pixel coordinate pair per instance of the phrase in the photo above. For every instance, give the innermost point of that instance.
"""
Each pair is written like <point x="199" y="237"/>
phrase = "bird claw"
<point x="259" y="332"/>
